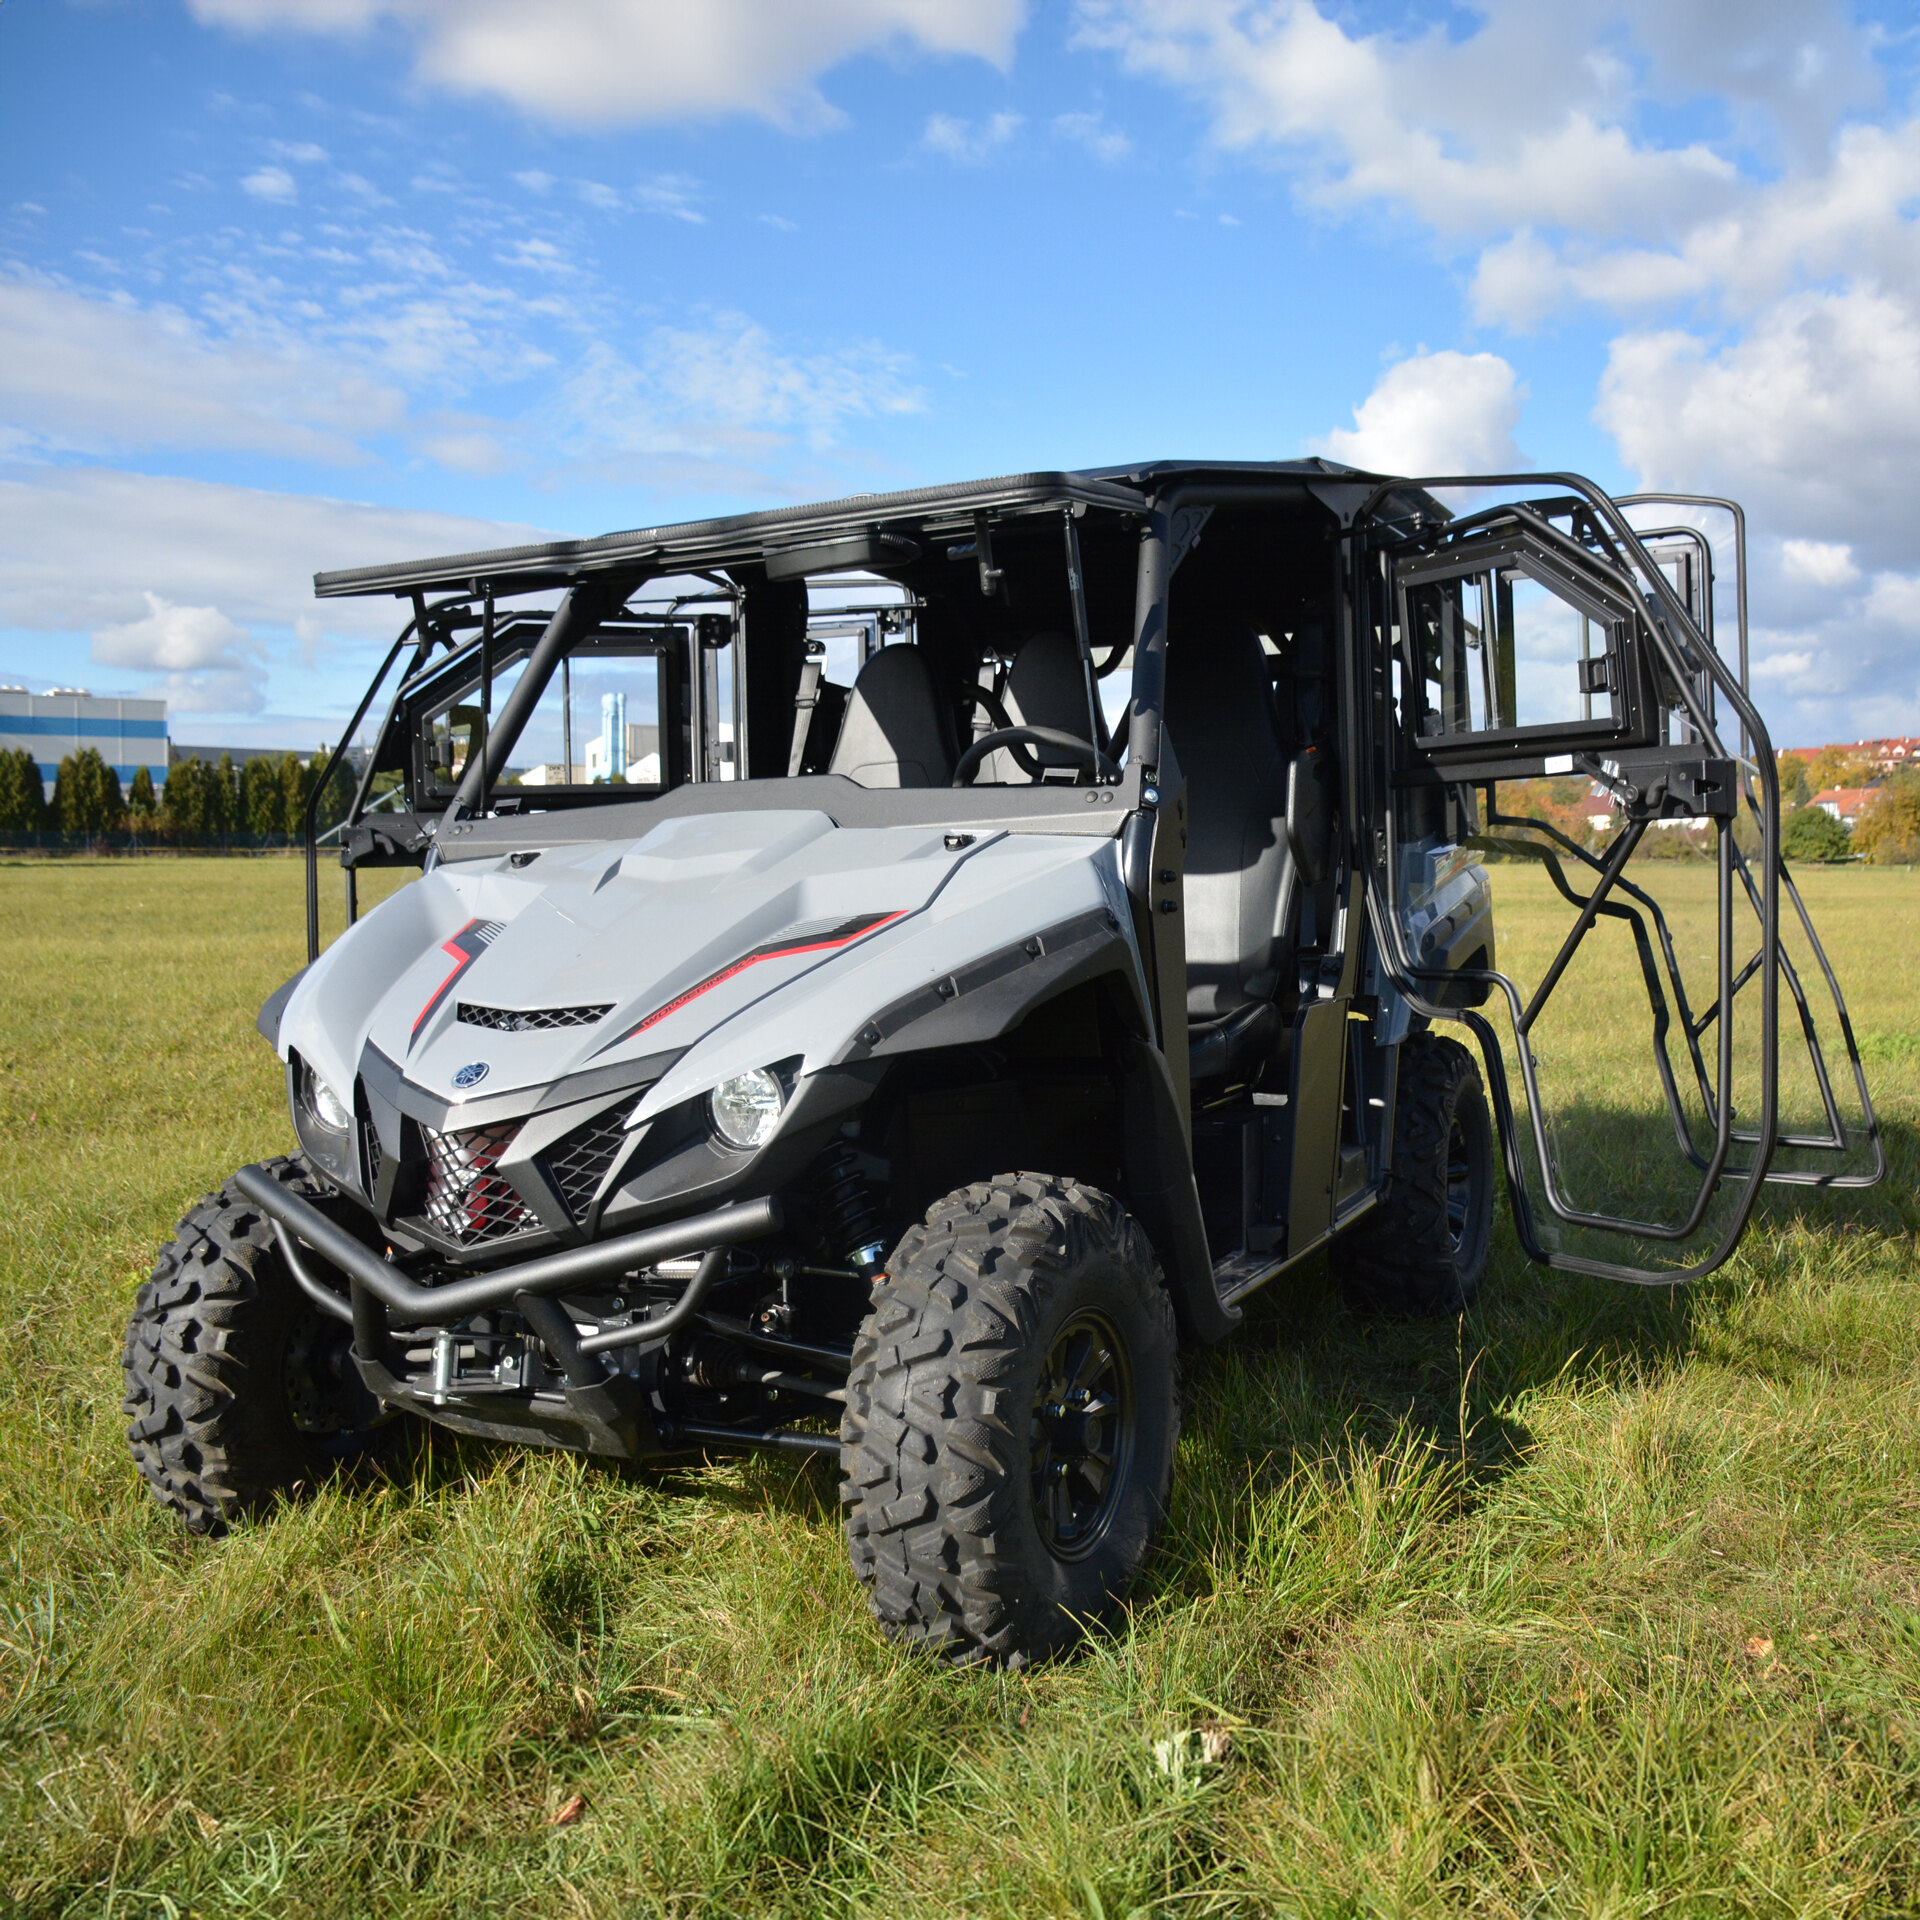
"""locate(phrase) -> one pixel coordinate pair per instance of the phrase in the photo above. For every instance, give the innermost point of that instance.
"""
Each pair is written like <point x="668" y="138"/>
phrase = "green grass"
<point x="1598" y="1602"/>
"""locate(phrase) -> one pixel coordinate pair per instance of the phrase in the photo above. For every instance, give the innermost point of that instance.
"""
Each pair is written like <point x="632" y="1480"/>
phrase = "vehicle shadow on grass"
<point x="1630" y="1163"/>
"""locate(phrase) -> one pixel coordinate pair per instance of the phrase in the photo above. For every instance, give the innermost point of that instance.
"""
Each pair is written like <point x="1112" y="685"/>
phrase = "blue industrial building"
<point x="127" y="734"/>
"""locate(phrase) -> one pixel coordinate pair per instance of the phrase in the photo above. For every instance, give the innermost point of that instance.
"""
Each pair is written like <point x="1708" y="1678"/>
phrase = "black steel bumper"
<point x="594" y="1411"/>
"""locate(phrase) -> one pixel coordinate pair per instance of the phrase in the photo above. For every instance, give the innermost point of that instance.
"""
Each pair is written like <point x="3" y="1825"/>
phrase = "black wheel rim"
<point x="1082" y="1435"/>
<point x="323" y="1393"/>
<point x="1460" y="1184"/>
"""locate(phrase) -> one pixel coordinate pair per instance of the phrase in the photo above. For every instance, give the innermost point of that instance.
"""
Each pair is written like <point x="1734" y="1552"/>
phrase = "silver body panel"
<point x="644" y="926"/>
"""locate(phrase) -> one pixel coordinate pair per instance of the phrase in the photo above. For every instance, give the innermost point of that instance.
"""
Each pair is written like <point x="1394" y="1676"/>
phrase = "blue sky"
<point x="293" y="284"/>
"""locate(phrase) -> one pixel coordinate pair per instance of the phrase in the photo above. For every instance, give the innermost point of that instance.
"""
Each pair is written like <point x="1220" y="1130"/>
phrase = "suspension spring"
<point x="853" y="1222"/>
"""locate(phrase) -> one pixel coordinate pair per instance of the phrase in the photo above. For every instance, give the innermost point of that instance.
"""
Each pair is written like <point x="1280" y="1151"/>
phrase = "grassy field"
<point x="1598" y="1602"/>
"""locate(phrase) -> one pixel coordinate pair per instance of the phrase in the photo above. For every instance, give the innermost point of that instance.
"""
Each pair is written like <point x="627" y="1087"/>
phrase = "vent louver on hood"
<point x="529" y="1019"/>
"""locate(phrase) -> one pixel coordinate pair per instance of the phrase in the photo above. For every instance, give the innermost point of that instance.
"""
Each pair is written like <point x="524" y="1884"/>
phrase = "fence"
<point x="149" y="840"/>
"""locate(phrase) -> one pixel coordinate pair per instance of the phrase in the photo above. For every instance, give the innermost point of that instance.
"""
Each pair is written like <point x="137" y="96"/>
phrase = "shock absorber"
<point x="852" y="1222"/>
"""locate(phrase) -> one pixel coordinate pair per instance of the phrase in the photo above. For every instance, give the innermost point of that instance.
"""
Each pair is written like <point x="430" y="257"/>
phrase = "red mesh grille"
<point x="466" y="1200"/>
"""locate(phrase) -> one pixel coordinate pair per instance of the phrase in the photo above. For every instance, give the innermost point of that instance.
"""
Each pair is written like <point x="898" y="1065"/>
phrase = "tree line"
<point x="267" y="795"/>
<point x="1887" y="830"/>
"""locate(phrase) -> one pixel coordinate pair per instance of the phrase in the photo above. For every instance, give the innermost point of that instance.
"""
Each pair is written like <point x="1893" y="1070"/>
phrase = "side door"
<point x="1578" y="857"/>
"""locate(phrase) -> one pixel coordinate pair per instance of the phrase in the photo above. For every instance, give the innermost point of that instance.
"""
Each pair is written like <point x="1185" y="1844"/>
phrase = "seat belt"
<point x="806" y="698"/>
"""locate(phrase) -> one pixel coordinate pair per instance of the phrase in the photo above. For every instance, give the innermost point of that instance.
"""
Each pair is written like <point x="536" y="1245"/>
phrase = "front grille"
<point x="467" y="1201"/>
<point x="370" y="1147"/>
<point x="530" y="1019"/>
<point x="579" y="1162"/>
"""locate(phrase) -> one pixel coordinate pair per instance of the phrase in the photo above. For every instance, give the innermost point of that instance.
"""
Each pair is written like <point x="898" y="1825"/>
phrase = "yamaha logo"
<point x="471" y="1076"/>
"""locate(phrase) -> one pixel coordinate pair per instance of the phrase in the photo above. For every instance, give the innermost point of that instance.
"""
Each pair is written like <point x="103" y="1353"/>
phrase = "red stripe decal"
<point x="466" y="947"/>
<point x="841" y="936"/>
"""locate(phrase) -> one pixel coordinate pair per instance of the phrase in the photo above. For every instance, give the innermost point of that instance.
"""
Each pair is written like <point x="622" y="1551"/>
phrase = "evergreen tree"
<point x="226" y="804"/>
<point x="22" y="793"/>
<point x="86" y="794"/>
<point x="141" y="803"/>
<point x="187" y="795"/>
<point x="23" y="796"/>
<point x="261" y="807"/>
<point x="339" y="794"/>
<point x="295" y="784"/>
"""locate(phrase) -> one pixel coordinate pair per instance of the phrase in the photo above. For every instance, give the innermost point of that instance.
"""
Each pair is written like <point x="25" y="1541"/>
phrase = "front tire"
<point x="239" y="1391"/>
<point x="1012" y="1413"/>
<point x="1423" y="1248"/>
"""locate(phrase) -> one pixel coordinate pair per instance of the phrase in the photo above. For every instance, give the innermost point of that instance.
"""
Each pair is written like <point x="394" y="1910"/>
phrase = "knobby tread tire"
<point x="205" y="1360"/>
<point x="1400" y="1258"/>
<point x="935" y="1437"/>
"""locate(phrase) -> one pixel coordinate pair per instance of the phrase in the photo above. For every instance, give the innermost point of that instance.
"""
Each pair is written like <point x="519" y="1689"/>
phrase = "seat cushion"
<point x="1235" y="1046"/>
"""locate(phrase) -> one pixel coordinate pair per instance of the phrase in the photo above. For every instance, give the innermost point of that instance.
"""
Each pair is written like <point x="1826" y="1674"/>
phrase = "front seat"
<point x="1241" y="884"/>
<point x="892" y="736"/>
<point x="1046" y="687"/>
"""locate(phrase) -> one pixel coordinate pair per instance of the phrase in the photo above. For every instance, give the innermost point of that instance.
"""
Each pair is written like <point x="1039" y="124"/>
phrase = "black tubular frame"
<point x="1693" y="665"/>
<point x="417" y="1305"/>
<point x="311" y="818"/>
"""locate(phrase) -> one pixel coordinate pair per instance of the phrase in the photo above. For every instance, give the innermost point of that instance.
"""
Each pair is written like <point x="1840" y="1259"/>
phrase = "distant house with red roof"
<point x="1899" y="750"/>
<point x="1844" y="803"/>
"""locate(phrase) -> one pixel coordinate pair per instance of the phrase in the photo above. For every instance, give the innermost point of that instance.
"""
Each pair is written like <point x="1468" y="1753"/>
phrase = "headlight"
<point x="326" y="1106"/>
<point x="746" y="1109"/>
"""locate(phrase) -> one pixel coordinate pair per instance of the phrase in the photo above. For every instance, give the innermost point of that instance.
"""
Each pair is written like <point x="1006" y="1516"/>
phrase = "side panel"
<point x="1319" y="1061"/>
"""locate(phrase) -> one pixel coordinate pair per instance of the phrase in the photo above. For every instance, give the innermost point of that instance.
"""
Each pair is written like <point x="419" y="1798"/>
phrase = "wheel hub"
<point x="319" y="1388"/>
<point x="1081" y="1435"/>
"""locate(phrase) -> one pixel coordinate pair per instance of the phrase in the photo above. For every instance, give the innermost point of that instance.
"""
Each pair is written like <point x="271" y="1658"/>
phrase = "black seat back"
<point x="892" y="735"/>
<point x="1046" y="687"/>
<point x="1241" y="883"/>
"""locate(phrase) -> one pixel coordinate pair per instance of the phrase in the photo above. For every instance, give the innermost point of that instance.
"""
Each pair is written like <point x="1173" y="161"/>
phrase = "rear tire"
<point x="239" y="1391"/>
<point x="1012" y="1413"/>
<point x="1422" y="1250"/>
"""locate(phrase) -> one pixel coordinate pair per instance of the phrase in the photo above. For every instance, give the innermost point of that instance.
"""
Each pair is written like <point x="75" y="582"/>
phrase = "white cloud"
<point x="272" y="183"/>
<point x="303" y="153"/>
<point x="1820" y="563"/>
<point x="174" y="580"/>
<point x="1090" y="130"/>
<point x="615" y="61"/>
<point x="1770" y="267"/>
<point x="1435" y="413"/>
<point x="1495" y="128"/>
<point x="82" y="548"/>
<point x="961" y="141"/>
<point x="673" y="195"/>
<point x="726" y="392"/>
<point x="172" y="639"/>
<point x="97" y="376"/>
<point x="534" y="181"/>
<point x="207" y="664"/>
<point x="1811" y="416"/>
<point x="1849" y="215"/>
<point x="596" y="193"/>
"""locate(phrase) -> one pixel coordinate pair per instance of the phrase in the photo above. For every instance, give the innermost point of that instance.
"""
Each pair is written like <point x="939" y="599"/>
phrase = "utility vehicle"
<point x="886" y="975"/>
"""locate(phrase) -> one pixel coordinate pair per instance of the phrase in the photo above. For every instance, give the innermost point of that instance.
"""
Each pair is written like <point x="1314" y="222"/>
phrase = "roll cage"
<point x="1436" y="707"/>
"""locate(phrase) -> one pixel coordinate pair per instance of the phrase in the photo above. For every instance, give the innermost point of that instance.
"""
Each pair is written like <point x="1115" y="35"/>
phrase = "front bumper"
<point x="584" y="1406"/>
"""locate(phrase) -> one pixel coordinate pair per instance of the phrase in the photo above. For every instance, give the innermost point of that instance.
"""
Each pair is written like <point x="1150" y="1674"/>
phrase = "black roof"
<point x="746" y="535"/>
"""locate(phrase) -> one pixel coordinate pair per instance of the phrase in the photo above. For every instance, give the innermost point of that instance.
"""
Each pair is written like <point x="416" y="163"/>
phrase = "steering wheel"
<point x="1010" y="737"/>
<point x="1023" y="756"/>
